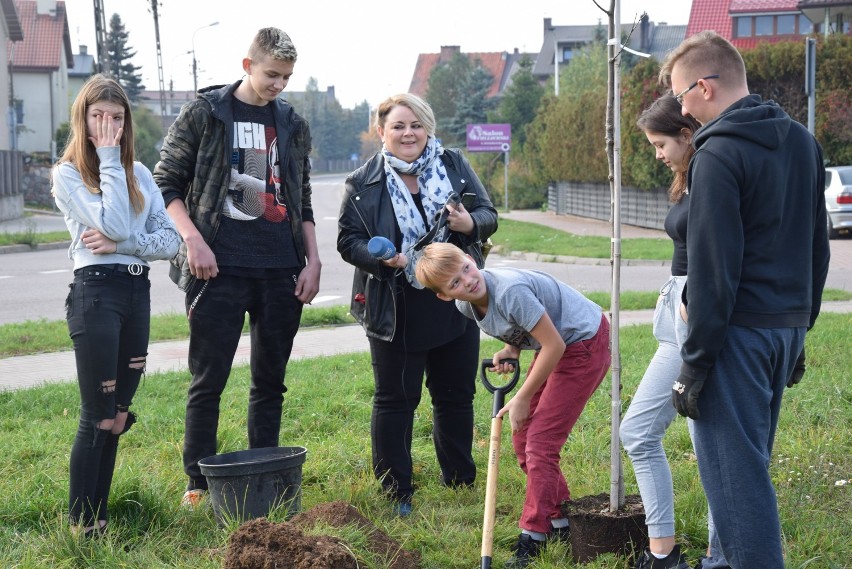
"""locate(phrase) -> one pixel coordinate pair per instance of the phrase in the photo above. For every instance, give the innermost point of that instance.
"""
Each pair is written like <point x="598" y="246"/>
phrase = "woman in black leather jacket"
<point x="397" y="194"/>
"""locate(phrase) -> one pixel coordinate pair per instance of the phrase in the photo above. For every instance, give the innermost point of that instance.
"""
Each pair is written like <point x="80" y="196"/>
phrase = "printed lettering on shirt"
<point x="255" y="188"/>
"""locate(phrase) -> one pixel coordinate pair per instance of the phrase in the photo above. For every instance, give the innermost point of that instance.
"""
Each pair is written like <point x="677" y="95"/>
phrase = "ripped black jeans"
<point x="109" y="316"/>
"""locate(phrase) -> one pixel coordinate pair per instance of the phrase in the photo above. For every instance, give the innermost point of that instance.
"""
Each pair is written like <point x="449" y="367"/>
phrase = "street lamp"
<point x="194" y="63"/>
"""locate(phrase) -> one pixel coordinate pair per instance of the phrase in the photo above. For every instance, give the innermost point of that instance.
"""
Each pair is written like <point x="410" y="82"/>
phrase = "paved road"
<point x="33" y="284"/>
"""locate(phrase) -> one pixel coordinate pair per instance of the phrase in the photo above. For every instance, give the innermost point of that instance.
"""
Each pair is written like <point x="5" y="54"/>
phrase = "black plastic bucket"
<point x="247" y="484"/>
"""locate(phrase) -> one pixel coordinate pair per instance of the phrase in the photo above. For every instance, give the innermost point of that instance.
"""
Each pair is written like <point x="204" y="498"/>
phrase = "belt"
<point x="134" y="269"/>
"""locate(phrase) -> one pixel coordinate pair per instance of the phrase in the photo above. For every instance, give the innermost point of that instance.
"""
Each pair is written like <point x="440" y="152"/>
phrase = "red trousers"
<point x="554" y="410"/>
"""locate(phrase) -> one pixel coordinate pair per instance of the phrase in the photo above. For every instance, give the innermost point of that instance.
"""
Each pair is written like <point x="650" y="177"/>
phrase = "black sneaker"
<point x="674" y="560"/>
<point x="526" y="550"/>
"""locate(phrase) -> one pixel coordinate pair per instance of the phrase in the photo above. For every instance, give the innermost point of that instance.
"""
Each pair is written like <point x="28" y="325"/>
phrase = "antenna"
<point x="159" y="62"/>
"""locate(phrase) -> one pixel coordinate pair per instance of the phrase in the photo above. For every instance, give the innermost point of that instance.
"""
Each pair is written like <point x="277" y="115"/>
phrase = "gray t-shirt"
<point x="517" y="299"/>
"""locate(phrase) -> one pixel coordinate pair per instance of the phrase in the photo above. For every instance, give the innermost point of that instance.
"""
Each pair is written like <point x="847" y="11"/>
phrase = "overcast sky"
<point x="366" y="49"/>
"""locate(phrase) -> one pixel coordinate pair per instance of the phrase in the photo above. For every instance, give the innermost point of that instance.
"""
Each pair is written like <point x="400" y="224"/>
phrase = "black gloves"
<point x="798" y="370"/>
<point x="686" y="389"/>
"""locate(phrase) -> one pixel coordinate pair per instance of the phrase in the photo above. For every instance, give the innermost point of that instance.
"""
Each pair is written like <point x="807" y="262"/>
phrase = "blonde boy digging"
<point x="530" y="310"/>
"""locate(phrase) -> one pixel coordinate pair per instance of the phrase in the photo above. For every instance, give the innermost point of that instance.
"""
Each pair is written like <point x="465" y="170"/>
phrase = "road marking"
<point x="321" y="299"/>
<point x="6" y="277"/>
<point x="54" y="271"/>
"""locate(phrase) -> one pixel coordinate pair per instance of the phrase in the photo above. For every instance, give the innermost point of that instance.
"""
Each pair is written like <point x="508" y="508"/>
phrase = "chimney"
<point x="644" y="34"/>
<point x="84" y="49"/>
<point x="547" y="25"/>
<point x="447" y="52"/>
<point x="46" y="7"/>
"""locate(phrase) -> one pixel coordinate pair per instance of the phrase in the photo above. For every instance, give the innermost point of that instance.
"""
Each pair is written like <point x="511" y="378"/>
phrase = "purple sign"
<point x="489" y="137"/>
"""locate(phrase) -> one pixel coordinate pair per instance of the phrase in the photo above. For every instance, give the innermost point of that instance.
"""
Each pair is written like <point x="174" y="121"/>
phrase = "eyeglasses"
<point x="679" y="97"/>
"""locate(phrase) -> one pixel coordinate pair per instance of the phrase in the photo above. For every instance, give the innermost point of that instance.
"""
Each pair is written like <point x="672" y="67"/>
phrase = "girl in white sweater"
<point x="115" y="214"/>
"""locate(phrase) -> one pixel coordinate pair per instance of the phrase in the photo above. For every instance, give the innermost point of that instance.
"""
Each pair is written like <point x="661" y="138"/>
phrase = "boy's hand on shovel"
<point x="518" y="409"/>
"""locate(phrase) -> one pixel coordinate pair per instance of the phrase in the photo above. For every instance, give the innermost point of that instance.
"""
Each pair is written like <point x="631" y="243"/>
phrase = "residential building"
<point x="84" y="67"/>
<point x="746" y="23"/>
<point x="40" y="64"/>
<point x="565" y="41"/>
<point x="501" y="65"/>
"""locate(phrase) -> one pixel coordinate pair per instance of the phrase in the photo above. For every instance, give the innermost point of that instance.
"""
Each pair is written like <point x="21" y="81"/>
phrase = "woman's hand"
<point x="106" y="134"/>
<point x="98" y="243"/>
<point x="398" y="261"/>
<point x="459" y="219"/>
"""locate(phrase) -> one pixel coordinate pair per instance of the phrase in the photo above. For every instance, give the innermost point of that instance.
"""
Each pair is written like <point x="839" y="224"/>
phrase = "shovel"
<point x="499" y="392"/>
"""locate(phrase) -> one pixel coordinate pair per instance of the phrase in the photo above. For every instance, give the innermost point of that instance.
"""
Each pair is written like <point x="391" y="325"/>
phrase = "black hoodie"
<point x="757" y="241"/>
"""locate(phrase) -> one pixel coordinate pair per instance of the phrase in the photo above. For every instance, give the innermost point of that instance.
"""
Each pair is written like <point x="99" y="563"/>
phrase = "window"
<point x="805" y="26"/>
<point x="743" y="26"/>
<point x="567" y="54"/>
<point x="786" y="25"/>
<point x="763" y="25"/>
<point x="19" y="111"/>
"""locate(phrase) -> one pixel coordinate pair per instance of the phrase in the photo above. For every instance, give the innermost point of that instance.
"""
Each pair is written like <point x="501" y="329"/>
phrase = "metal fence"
<point x="11" y="173"/>
<point x="642" y="208"/>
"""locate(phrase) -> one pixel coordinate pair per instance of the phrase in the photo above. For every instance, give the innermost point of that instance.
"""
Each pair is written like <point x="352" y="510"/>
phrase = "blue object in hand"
<point x="381" y="248"/>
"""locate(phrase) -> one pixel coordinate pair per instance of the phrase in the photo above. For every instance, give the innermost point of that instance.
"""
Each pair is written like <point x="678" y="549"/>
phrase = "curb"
<point x="570" y="260"/>
<point x="4" y="249"/>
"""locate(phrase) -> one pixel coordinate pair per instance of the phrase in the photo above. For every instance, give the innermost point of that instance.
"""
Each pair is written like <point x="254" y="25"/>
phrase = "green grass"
<point x="32" y="238"/>
<point x="531" y="237"/>
<point x="327" y="409"/>
<point x="42" y="336"/>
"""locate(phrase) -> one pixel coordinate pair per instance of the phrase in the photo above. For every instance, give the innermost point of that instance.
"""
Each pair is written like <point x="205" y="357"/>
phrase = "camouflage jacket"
<point x="195" y="166"/>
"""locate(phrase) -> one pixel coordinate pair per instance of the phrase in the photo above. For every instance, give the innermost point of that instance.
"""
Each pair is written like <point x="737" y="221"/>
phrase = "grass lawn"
<point x="327" y="410"/>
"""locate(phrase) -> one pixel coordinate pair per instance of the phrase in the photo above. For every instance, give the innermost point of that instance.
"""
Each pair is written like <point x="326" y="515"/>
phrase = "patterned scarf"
<point x="434" y="188"/>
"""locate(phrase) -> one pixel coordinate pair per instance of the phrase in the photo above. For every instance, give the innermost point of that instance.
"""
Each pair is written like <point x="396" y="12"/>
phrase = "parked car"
<point x="838" y="199"/>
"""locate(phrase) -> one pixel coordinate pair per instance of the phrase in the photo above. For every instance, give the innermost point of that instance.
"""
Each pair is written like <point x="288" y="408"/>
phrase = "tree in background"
<point x="566" y="139"/>
<point x="120" y="54"/>
<point x="335" y="131"/>
<point x="444" y="90"/>
<point x="472" y="105"/>
<point x="520" y="102"/>
<point x="147" y="136"/>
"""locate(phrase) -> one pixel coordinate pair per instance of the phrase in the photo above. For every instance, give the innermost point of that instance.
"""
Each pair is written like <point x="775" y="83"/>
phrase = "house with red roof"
<point x="500" y="64"/>
<point x="39" y="65"/>
<point x="747" y="23"/>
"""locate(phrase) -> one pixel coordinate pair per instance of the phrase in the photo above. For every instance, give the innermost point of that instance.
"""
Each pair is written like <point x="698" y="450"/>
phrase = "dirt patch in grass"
<point x="261" y="544"/>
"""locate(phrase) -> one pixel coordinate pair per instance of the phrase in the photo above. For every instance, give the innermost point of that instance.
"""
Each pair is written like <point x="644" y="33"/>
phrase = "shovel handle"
<point x="500" y="390"/>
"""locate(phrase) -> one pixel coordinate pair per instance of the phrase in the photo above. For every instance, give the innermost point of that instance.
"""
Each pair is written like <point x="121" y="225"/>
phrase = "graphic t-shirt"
<point x="517" y="299"/>
<point x="254" y="231"/>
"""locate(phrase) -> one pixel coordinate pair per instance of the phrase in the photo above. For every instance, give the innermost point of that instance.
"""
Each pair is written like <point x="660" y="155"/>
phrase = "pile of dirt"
<point x="261" y="544"/>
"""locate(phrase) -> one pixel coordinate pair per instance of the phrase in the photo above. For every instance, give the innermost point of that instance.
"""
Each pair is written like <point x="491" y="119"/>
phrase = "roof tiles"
<point x="44" y="37"/>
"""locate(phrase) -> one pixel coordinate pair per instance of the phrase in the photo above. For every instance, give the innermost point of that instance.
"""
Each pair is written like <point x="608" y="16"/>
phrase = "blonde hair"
<point x="438" y="263"/>
<point x="274" y="43"/>
<point x="82" y="153"/>
<point x="418" y="106"/>
<point x="706" y="53"/>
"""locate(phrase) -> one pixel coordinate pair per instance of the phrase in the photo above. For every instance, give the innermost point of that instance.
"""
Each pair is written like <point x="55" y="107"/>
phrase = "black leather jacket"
<point x="367" y="211"/>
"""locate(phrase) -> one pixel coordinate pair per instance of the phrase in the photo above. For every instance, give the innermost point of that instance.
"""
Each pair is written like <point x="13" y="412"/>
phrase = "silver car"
<point x="838" y="199"/>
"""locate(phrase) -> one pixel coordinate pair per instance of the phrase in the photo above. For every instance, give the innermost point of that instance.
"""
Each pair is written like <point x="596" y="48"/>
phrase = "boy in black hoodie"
<point x="758" y="259"/>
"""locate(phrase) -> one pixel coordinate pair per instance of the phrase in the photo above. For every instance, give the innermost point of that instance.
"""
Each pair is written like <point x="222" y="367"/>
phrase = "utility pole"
<point x="100" y="39"/>
<point x="159" y="63"/>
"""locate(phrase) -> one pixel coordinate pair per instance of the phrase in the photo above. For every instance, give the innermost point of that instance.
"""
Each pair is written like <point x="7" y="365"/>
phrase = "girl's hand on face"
<point x="107" y="134"/>
<point x="98" y="243"/>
